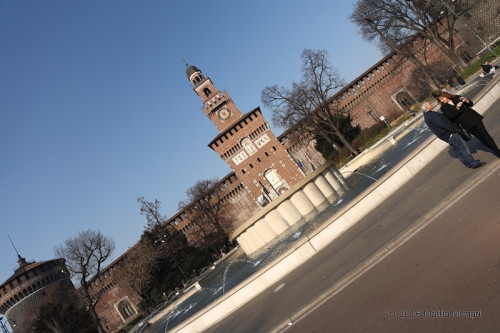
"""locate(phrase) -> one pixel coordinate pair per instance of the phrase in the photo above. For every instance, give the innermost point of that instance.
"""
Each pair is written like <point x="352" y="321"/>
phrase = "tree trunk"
<point x="446" y="49"/>
<point x="451" y="55"/>
<point x="345" y="142"/>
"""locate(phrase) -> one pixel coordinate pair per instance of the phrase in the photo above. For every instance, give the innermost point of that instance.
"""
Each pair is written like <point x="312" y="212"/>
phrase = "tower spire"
<point x="20" y="260"/>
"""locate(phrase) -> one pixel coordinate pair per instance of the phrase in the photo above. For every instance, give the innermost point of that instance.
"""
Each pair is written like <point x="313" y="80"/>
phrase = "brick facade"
<point x="118" y="303"/>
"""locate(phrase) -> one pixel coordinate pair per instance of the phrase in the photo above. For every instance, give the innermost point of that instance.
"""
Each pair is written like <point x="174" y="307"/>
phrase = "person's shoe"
<point x="480" y="164"/>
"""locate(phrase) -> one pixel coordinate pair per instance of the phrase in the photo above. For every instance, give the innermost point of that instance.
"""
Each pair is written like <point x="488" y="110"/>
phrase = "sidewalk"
<point x="397" y="133"/>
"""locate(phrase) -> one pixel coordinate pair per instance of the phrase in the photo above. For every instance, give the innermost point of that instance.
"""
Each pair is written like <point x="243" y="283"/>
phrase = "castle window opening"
<point x="466" y="57"/>
<point x="126" y="310"/>
<point x="404" y="101"/>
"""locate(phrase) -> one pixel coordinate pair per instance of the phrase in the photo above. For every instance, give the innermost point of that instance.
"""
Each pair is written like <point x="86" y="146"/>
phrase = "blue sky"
<point x="96" y="109"/>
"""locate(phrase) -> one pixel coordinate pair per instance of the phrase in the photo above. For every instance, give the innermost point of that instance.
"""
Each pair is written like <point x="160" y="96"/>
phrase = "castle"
<point x="264" y="166"/>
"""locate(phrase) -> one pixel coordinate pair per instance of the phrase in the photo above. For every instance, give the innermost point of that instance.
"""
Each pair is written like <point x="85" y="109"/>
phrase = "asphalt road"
<point x="318" y="276"/>
<point x="444" y="279"/>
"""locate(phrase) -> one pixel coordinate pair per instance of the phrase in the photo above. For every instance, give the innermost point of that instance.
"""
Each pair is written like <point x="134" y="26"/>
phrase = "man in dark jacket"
<point x="446" y="130"/>
<point x="488" y="68"/>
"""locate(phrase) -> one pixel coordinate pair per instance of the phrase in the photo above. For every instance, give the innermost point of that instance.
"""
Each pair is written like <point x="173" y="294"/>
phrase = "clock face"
<point x="224" y="113"/>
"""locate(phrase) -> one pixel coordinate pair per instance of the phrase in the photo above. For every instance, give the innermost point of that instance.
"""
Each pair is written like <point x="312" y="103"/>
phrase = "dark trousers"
<point x="461" y="150"/>
<point x="480" y="132"/>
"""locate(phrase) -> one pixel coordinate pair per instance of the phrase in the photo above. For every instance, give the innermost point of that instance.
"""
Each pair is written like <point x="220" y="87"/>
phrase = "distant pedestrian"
<point x="459" y="110"/>
<point x="446" y="130"/>
<point x="488" y="68"/>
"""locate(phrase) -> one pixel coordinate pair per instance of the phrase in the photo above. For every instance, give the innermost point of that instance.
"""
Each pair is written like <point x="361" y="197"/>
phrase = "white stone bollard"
<point x="302" y="203"/>
<point x="332" y="179"/>
<point x="255" y="236"/>
<point x="243" y="243"/>
<point x="325" y="188"/>
<point x="315" y="195"/>
<point x="265" y="231"/>
<point x="289" y="212"/>
<point x="247" y="243"/>
<point x="276" y="222"/>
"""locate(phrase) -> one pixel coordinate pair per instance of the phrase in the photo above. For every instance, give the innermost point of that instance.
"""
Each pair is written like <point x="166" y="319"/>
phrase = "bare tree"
<point x="308" y="104"/>
<point x="85" y="256"/>
<point x="395" y="22"/>
<point x="207" y="209"/>
<point x="136" y="268"/>
<point x="371" y="30"/>
<point x="151" y="210"/>
<point x="62" y="312"/>
<point x="156" y="225"/>
<point x="171" y="244"/>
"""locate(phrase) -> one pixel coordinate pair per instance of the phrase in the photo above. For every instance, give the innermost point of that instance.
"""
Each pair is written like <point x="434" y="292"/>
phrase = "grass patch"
<point x="370" y="135"/>
<point x="404" y="117"/>
<point x="131" y="324"/>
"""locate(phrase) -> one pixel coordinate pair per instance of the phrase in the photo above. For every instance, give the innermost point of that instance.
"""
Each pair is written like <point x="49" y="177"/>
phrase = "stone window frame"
<point x="117" y="308"/>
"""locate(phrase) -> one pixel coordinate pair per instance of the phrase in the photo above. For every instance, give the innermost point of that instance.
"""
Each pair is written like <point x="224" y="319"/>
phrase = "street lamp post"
<point x="372" y="115"/>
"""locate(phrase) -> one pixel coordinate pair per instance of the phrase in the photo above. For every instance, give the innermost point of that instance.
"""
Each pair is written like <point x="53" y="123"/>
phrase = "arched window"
<point x="404" y="101"/>
<point x="274" y="179"/>
<point x="126" y="309"/>
<point x="207" y="92"/>
<point x="196" y="79"/>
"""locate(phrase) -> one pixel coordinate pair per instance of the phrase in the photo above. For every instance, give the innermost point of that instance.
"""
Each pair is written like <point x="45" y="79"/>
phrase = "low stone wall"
<point x="297" y="205"/>
<point x="381" y="146"/>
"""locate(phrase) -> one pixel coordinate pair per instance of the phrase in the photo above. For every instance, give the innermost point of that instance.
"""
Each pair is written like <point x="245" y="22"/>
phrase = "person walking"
<point x="458" y="109"/>
<point x="446" y="130"/>
<point x="489" y="69"/>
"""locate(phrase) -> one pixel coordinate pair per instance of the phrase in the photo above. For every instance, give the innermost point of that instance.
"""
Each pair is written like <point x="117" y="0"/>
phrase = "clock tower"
<point x="246" y="143"/>
<point x="217" y="105"/>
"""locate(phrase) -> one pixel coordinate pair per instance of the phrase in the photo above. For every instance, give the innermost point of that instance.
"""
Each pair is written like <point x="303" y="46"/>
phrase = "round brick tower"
<point x="25" y="291"/>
